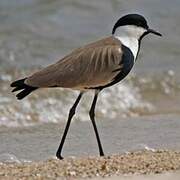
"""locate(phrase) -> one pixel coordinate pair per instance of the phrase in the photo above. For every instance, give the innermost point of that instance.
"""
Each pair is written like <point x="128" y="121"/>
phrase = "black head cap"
<point x="131" y="19"/>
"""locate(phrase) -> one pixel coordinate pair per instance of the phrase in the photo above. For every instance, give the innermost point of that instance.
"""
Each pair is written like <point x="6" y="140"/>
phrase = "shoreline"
<point x="37" y="143"/>
<point x="133" y="163"/>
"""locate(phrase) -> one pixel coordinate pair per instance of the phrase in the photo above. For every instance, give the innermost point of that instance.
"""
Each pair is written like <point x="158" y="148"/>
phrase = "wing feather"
<point x="91" y="66"/>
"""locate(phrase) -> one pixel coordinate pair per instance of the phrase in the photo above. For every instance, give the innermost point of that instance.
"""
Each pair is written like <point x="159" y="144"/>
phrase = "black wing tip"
<point x="18" y="82"/>
<point x="25" y="92"/>
<point x="16" y="89"/>
<point x="20" y="85"/>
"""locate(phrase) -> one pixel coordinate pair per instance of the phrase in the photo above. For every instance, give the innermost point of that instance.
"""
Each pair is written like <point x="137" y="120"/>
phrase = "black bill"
<point x="154" y="32"/>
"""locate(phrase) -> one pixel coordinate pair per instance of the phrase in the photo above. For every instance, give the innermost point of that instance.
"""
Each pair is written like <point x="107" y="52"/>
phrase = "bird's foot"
<point x="58" y="155"/>
<point x="101" y="153"/>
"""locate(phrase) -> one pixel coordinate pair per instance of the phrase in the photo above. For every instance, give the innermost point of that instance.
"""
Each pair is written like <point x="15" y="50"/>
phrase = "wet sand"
<point x="142" y="162"/>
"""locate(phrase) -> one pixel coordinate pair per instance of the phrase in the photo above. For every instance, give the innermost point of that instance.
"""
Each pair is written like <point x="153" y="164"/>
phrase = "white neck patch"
<point x="129" y="36"/>
<point x="131" y="43"/>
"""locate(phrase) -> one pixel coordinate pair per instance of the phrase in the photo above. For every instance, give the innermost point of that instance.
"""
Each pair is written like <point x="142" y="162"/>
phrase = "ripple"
<point x="9" y="158"/>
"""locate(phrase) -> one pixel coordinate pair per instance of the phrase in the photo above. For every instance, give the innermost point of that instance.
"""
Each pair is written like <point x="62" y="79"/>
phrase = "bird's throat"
<point x="131" y="43"/>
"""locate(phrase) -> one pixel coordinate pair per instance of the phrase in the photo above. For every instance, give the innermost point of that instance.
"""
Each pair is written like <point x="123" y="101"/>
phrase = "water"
<point x="34" y="34"/>
<point x="117" y="136"/>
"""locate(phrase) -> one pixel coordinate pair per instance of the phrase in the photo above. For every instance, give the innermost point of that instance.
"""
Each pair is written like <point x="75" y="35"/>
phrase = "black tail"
<point x="20" y="85"/>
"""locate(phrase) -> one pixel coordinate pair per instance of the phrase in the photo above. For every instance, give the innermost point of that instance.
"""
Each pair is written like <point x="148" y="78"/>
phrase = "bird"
<point x="95" y="66"/>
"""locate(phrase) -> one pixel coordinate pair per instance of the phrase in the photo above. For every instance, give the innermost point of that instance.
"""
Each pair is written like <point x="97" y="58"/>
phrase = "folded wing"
<point x="91" y="66"/>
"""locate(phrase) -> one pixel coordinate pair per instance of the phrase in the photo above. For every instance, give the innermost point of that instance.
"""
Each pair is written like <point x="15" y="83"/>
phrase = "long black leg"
<point x="92" y="116"/>
<point x="71" y="114"/>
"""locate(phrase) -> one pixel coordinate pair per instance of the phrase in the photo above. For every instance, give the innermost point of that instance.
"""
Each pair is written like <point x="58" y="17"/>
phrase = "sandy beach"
<point x="142" y="162"/>
<point x="163" y="176"/>
<point x="28" y="152"/>
<point x="141" y="148"/>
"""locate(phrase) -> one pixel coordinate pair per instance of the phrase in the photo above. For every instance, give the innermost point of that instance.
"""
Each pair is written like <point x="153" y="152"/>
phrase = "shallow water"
<point x="117" y="136"/>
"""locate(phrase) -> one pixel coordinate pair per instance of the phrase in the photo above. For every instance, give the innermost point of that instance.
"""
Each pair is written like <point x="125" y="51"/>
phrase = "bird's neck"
<point x="129" y="37"/>
<point x="131" y="43"/>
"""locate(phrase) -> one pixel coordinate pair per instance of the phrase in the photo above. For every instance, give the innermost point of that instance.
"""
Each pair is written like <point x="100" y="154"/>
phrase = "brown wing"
<point x="91" y="66"/>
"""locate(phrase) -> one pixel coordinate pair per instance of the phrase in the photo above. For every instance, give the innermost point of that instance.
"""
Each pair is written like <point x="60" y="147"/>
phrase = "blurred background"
<point x="35" y="33"/>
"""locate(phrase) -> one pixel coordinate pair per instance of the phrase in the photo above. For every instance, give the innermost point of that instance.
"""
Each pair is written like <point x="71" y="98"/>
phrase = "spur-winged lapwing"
<point x="92" y="67"/>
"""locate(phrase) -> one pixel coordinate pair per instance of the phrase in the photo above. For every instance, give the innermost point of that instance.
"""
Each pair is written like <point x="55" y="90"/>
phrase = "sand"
<point x="163" y="176"/>
<point x="141" y="162"/>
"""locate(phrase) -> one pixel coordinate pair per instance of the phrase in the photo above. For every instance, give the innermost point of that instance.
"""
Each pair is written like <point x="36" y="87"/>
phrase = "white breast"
<point x="131" y="43"/>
